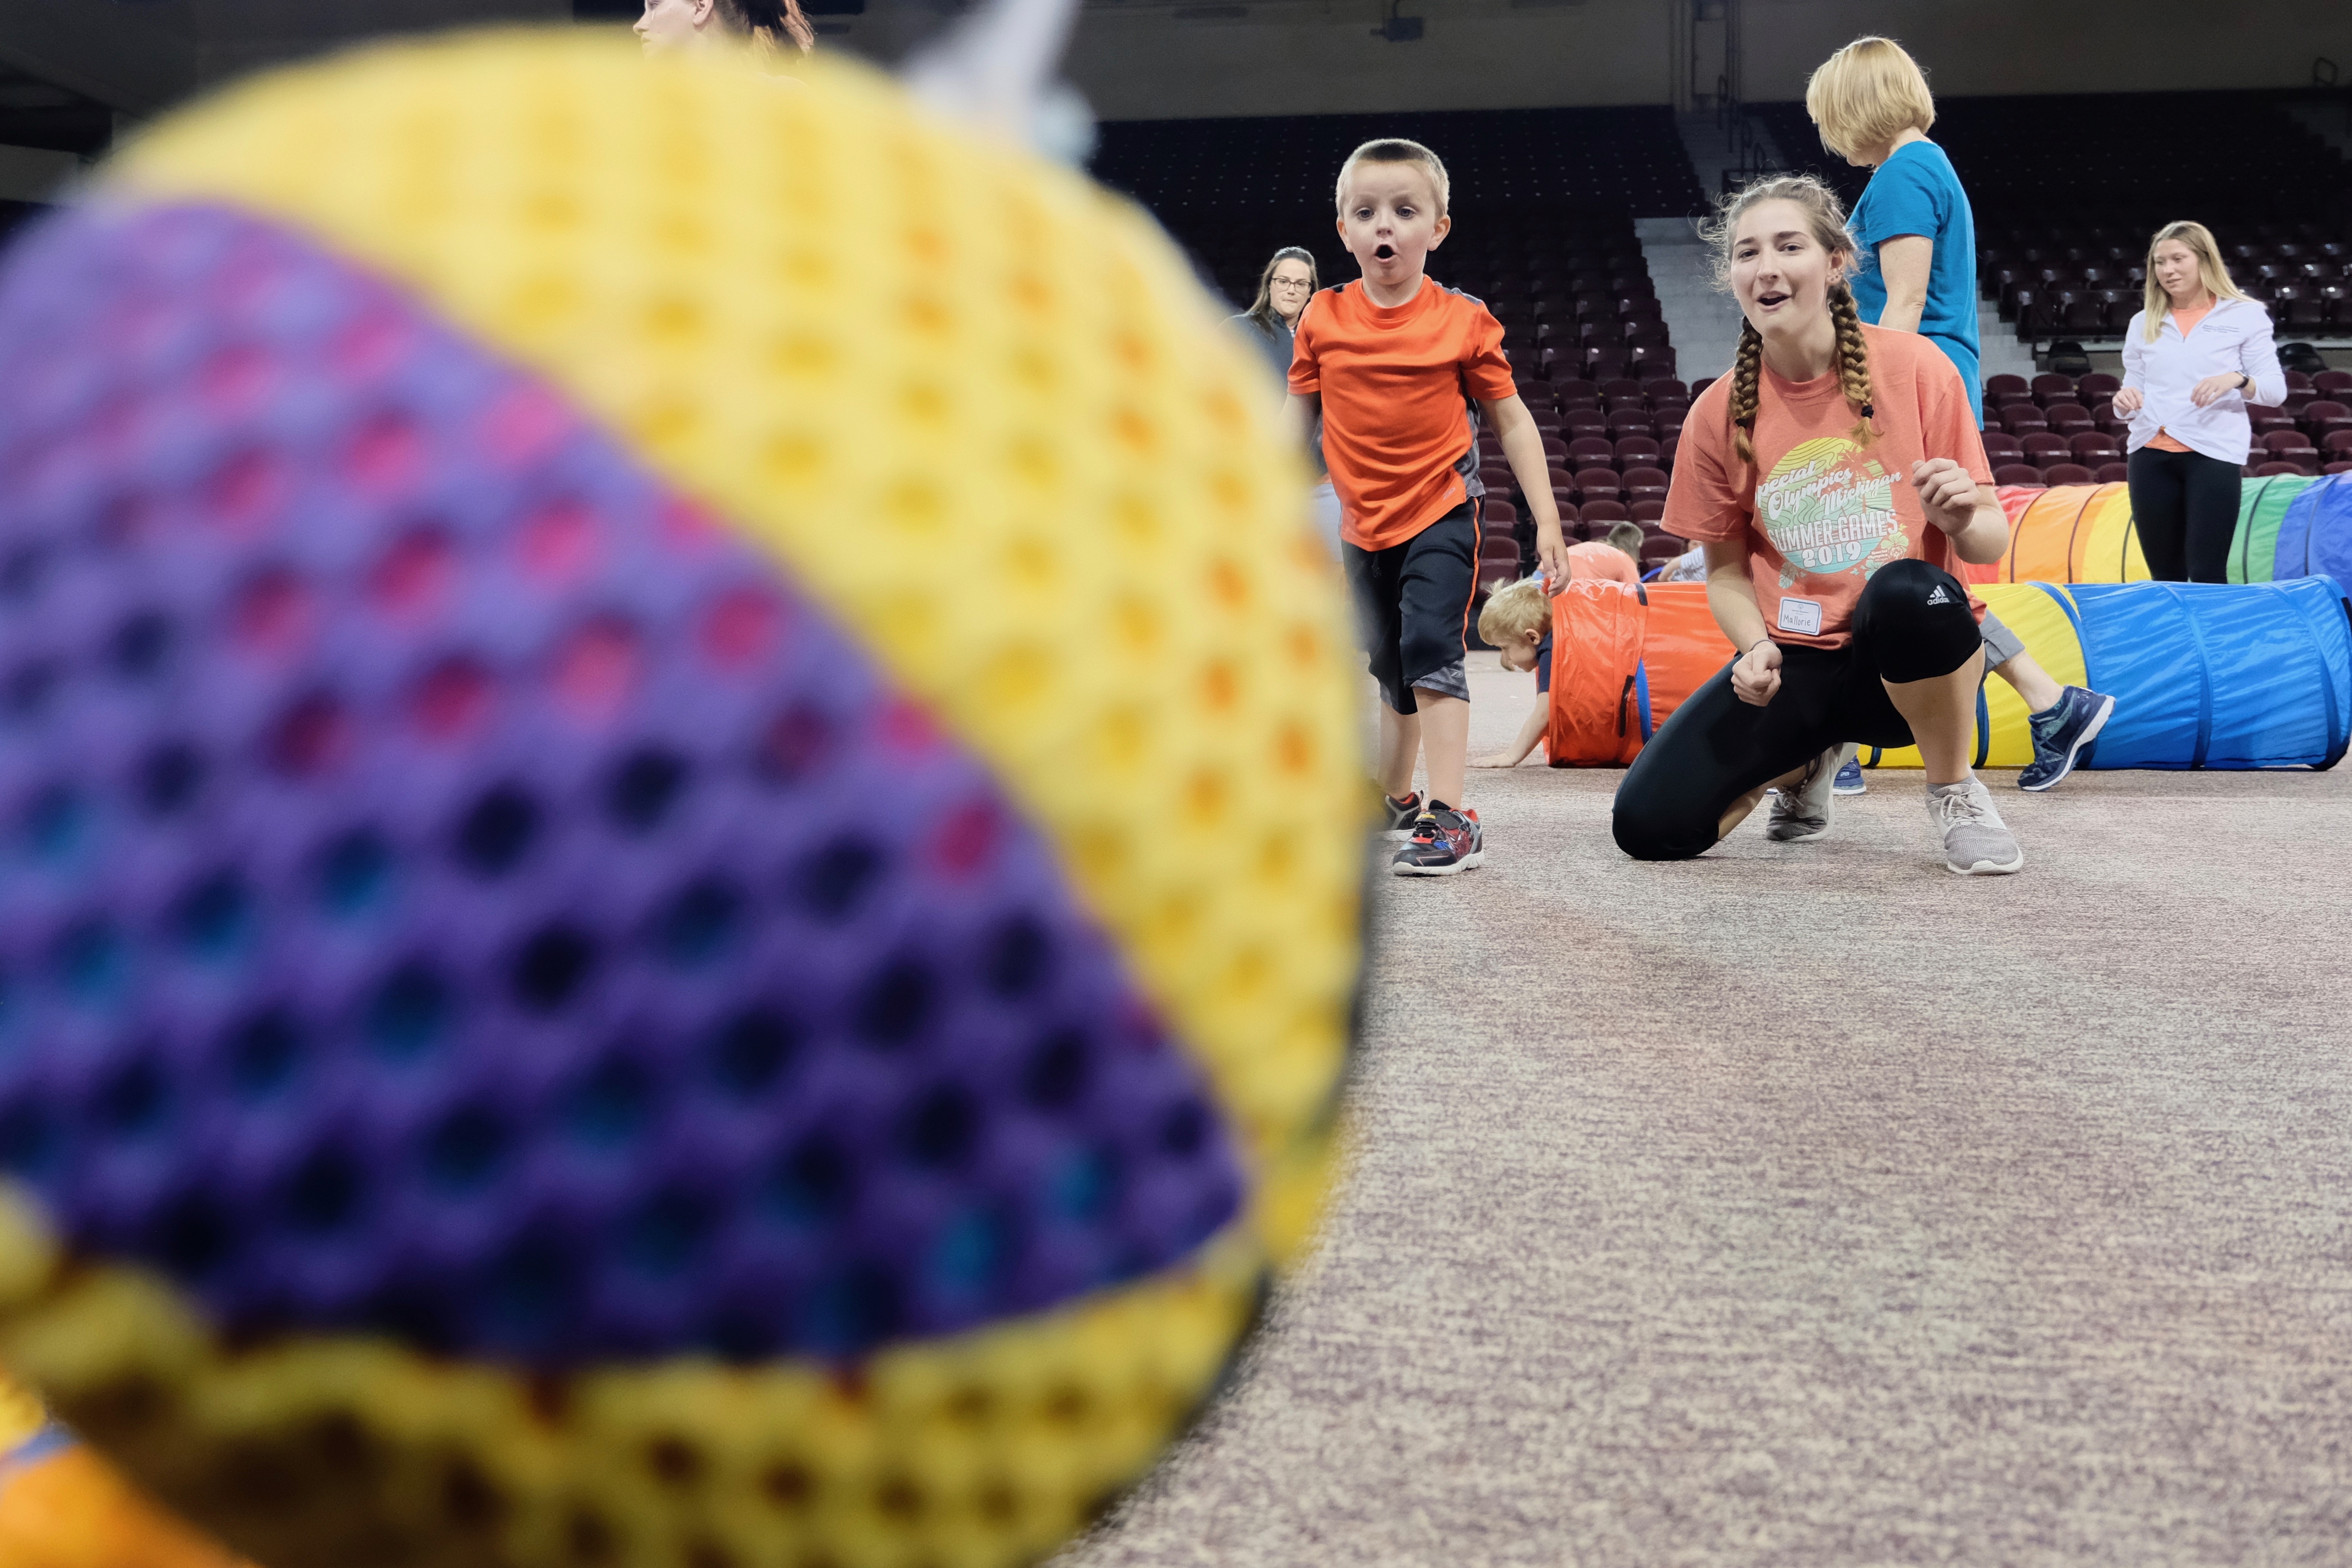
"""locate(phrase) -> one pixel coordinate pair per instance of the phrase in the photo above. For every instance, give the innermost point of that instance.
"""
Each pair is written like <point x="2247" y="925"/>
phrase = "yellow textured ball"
<point x="974" y="410"/>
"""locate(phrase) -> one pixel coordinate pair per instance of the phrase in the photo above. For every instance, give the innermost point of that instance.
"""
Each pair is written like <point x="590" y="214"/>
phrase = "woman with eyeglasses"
<point x="1272" y="321"/>
<point x="1271" y="324"/>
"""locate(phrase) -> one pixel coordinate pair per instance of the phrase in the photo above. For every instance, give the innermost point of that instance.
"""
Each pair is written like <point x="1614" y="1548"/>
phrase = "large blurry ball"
<point x="681" y="834"/>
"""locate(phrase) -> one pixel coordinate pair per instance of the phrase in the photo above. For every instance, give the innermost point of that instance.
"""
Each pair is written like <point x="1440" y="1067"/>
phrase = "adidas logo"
<point x="1939" y="596"/>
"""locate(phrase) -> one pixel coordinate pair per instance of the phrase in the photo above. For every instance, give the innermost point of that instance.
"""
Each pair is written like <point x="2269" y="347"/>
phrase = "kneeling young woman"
<point x="1832" y="479"/>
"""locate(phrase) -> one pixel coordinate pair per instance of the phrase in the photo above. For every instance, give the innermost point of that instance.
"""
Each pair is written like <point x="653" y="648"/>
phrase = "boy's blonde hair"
<point x="1867" y="93"/>
<point x="1627" y="537"/>
<point x="2212" y="271"/>
<point x="1514" y="610"/>
<point x="1395" y="149"/>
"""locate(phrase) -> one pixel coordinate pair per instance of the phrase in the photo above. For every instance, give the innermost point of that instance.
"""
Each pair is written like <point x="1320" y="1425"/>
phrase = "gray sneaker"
<point x="1976" y="843"/>
<point x="1802" y="810"/>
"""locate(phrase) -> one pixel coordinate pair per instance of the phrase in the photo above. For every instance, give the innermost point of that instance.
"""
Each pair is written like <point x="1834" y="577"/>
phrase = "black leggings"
<point x="1912" y="623"/>
<point x="2185" y="505"/>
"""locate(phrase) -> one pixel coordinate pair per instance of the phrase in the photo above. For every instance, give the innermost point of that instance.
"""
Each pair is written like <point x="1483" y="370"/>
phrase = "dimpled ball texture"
<point x="681" y="828"/>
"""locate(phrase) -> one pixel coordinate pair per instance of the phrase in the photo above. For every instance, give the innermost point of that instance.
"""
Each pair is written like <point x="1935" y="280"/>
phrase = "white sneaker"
<point x="1976" y="842"/>
<point x="1802" y="810"/>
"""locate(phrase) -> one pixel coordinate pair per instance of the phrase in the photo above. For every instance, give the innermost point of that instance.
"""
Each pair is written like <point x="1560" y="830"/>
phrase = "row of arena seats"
<point x="1526" y="184"/>
<point x="2056" y="421"/>
<point x="1507" y="539"/>
<point x="1573" y="294"/>
<point x="2066" y="198"/>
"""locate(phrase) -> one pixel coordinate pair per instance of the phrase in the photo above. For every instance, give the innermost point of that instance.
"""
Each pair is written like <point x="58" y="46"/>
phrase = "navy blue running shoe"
<point x="1849" y="779"/>
<point x="2060" y="733"/>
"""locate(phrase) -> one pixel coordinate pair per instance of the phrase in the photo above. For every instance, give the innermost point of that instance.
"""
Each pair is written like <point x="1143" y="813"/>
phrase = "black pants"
<point x="1912" y="623"/>
<point x="2185" y="505"/>
<point x="1413" y="606"/>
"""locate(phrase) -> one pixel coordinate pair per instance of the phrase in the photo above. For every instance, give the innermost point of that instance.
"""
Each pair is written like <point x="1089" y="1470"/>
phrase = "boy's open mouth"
<point x="1384" y="253"/>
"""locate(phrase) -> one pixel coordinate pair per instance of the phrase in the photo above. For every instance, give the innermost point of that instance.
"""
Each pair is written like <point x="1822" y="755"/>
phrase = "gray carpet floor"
<point x="1810" y="1205"/>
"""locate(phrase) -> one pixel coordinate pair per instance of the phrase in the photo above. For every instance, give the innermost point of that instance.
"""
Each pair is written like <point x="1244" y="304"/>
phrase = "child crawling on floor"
<point x="1517" y="622"/>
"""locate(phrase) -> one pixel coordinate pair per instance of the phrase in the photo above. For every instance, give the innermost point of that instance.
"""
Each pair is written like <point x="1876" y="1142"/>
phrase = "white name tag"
<point x="1803" y="616"/>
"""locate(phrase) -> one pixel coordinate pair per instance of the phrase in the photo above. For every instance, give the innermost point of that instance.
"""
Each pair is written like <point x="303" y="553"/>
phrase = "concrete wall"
<point x="2070" y="46"/>
<point x="1137" y="60"/>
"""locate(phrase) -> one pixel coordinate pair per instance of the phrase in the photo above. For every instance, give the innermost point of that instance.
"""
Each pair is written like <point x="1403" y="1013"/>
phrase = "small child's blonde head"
<point x="1514" y="610"/>
<point x="1397" y="149"/>
<point x="1627" y="537"/>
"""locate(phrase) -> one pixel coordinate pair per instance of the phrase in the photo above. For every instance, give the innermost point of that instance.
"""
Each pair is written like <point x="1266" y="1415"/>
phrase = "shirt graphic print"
<point x="1828" y="507"/>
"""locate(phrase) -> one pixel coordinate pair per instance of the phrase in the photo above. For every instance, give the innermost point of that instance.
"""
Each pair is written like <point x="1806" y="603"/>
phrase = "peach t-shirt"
<point x="1592" y="559"/>
<point x="2164" y="441"/>
<point x="1821" y="511"/>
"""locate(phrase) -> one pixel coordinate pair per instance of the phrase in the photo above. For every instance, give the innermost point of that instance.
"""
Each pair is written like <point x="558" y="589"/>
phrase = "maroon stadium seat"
<point x="2098" y="388"/>
<point x="1644" y="484"/>
<point x="2068" y="419"/>
<point x="1632" y="451"/>
<point x="2017" y="474"/>
<point x="1589" y="451"/>
<point x="2324" y="417"/>
<point x="2002" y="388"/>
<point x="2066" y="474"/>
<point x="1593" y="485"/>
<point x="2114" y="473"/>
<point x="1646" y="511"/>
<point x="2051" y="387"/>
<point x="1601" y="512"/>
<point x="2023" y="419"/>
<point x="1496" y="513"/>
<point x="2290" y="446"/>
<point x="2264" y="470"/>
<point x="2043" y="449"/>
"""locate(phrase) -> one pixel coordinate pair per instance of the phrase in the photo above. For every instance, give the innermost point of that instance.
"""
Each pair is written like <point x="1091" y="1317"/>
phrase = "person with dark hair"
<point x="1833" y="478"/>
<point x="1271" y="323"/>
<point x="764" y="27"/>
<point x="1271" y="327"/>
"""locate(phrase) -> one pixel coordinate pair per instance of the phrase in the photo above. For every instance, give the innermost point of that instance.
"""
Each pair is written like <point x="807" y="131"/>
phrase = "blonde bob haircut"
<point x="1395" y="149"/>
<point x="1865" y="95"/>
<point x="2155" y="304"/>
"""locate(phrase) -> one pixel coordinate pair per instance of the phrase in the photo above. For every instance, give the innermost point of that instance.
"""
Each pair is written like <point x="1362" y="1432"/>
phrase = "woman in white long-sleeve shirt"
<point x="2193" y="359"/>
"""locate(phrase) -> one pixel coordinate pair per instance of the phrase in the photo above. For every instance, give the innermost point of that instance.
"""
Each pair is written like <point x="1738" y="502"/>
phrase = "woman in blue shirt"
<point x="1873" y="108"/>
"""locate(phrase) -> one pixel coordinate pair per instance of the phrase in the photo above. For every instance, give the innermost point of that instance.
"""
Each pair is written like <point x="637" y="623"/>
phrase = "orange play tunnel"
<point x="2072" y="533"/>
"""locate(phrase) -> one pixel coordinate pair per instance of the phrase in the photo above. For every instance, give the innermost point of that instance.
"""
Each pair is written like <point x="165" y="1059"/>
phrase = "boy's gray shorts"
<point x="2002" y="645"/>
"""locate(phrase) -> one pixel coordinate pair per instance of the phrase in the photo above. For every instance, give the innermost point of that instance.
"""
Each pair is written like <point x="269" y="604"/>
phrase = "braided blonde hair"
<point x="1827" y="219"/>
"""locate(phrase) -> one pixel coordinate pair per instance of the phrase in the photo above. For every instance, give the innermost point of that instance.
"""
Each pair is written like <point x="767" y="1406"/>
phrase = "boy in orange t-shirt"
<point x="1394" y="364"/>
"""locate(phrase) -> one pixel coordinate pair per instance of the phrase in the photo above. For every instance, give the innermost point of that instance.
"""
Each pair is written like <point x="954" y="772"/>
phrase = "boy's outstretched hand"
<point x="1551" y="554"/>
<point x="1948" y="493"/>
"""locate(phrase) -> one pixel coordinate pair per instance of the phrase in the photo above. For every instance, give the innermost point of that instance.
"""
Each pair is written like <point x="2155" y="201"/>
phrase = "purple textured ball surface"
<point x="456" y="886"/>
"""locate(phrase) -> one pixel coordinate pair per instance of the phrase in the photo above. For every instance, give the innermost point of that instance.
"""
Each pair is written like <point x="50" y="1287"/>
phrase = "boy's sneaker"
<point x="1849" y="780"/>
<point x="1399" y="816"/>
<point x="1802" y="810"/>
<point x="2060" y="733"/>
<point x="1976" y="842"/>
<point x="1444" y="841"/>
